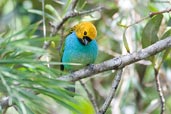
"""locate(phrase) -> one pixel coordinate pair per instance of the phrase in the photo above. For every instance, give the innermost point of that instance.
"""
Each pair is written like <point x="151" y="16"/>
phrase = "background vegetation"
<point x="29" y="72"/>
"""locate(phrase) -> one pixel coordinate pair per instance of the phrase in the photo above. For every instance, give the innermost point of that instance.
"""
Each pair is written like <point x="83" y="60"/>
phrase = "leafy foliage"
<point x="23" y="77"/>
<point x="32" y="86"/>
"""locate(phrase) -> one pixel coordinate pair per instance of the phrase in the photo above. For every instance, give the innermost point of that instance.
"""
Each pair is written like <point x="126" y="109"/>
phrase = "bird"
<point x="80" y="47"/>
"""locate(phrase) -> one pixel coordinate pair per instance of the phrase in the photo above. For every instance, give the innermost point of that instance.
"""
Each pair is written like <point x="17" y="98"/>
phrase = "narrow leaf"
<point x="38" y="12"/>
<point x="53" y="11"/>
<point x="126" y="42"/>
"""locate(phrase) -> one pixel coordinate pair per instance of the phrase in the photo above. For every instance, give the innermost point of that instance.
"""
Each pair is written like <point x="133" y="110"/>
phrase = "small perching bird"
<point x="80" y="47"/>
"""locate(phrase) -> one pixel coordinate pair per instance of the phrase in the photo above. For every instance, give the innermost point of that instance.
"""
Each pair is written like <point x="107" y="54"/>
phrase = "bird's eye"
<point x="85" y="33"/>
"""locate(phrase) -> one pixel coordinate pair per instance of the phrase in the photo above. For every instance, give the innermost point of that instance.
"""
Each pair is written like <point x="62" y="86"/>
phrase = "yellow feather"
<point x="85" y="29"/>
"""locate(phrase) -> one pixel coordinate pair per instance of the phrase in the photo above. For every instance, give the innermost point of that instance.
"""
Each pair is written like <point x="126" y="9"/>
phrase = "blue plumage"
<point x="75" y="52"/>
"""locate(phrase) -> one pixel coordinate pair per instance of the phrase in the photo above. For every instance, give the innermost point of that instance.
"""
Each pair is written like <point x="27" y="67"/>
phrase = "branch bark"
<point x="159" y="90"/>
<point x="90" y="96"/>
<point x="112" y="92"/>
<point x="73" y="14"/>
<point x="4" y="104"/>
<point x="119" y="62"/>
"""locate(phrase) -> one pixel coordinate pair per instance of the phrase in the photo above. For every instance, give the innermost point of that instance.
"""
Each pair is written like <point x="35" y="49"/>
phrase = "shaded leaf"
<point x="149" y="34"/>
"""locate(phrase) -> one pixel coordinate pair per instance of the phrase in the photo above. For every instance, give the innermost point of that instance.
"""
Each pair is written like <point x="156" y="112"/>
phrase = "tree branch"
<point x="160" y="12"/>
<point x="151" y="14"/>
<point x="74" y="4"/>
<point x="90" y="96"/>
<point x="4" y="104"/>
<point x="112" y="92"/>
<point x="162" y="1"/>
<point x="73" y="14"/>
<point x="159" y="90"/>
<point x="119" y="62"/>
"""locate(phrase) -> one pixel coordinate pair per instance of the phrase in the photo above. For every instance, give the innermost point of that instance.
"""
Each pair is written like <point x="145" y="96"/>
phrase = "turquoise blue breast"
<point x="75" y="52"/>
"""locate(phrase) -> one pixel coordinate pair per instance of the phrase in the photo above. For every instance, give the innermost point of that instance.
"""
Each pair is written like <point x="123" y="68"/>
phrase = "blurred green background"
<point x="22" y="74"/>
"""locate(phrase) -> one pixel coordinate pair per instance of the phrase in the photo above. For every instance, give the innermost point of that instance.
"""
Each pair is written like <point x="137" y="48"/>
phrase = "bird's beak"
<point x="85" y="41"/>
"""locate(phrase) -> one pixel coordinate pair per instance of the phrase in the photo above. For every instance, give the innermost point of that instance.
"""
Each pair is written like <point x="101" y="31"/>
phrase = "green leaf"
<point x="59" y="97"/>
<point x="149" y="34"/>
<point x="38" y="12"/>
<point x="53" y="11"/>
<point x="84" y="106"/>
<point x="33" y="102"/>
<point x="24" y="30"/>
<point x="166" y="34"/>
<point x="126" y="42"/>
<point x="165" y="54"/>
<point x="66" y="8"/>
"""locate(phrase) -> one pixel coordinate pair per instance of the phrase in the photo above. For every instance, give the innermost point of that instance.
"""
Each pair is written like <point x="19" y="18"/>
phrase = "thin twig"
<point x="159" y="90"/>
<point x="137" y="21"/>
<point x="112" y="92"/>
<point x="74" y="4"/>
<point x="90" y="96"/>
<point x="158" y="1"/>
<point x="44" y="33"/>
<point x="59" y="47"/>
<point x="151" y="14"/>
<point x="73" y="14"/>
<point x="119" y="62"/>
<point x="43" y="16"/>
<point x="46" y="43"/>
<point x="4" y="104"/>
<point x="160" y="12"/>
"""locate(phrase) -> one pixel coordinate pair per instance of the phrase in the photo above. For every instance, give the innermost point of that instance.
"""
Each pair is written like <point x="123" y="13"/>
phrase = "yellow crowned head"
<point x="85" y="29"/>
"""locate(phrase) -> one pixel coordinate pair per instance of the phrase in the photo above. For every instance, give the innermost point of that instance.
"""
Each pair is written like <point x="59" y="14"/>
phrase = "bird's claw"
<point x="91" y="66"/>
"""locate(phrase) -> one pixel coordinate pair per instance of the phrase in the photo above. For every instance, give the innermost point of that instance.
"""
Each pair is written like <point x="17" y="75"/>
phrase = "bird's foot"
<point x="91" y="66"/>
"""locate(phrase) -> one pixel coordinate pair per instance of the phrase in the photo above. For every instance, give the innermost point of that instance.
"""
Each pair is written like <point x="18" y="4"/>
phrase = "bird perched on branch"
<point x="80" y="47"/>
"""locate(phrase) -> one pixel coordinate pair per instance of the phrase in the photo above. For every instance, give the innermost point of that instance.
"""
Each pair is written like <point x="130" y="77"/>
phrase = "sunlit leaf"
<point x="38" y="12"/>
<point x="166" y="34"/>
<point x="126" y="42"/>
<point x="66" y="7"/>
<point x="53" y="11"/>
<point x="84" y="106"/>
